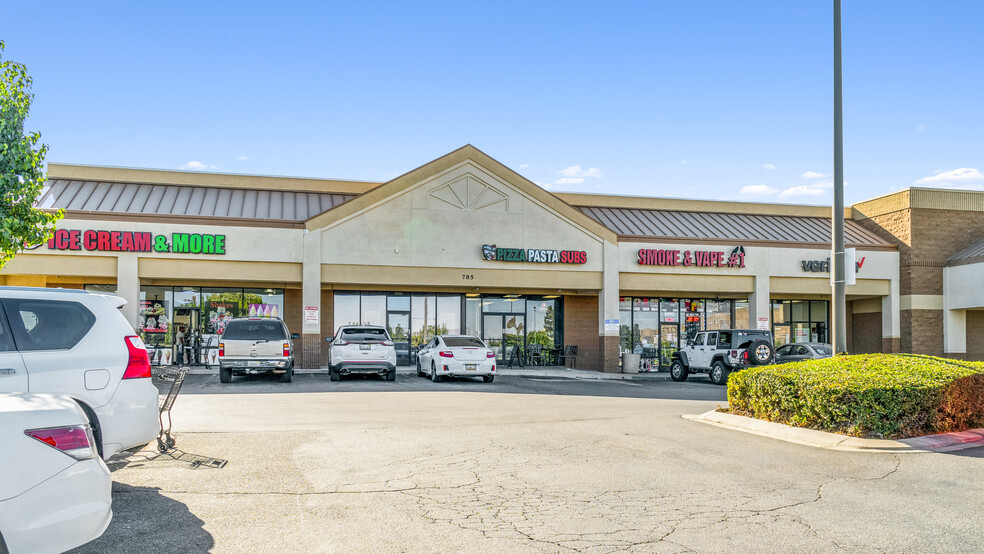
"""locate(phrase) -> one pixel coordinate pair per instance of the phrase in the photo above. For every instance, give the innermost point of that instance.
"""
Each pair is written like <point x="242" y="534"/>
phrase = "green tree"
<point x="21" y="167"/>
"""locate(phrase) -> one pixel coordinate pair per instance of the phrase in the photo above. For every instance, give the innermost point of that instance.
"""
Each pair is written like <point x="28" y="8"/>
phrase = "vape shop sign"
<point x="692" y="258"/>
<point x="133" y="241"/>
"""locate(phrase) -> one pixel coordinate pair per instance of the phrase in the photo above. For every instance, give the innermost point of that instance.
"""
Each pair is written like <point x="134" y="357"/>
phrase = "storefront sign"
<point x="692" y="258"/>
<point x="133" y="241"/>
<point x="611" y="326"/>
<point x="310" y="315"/>
<point x="823" y="266"/>
<point x="492" y="253"/>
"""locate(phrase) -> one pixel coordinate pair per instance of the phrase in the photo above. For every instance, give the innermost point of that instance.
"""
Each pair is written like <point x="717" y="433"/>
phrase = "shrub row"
<point x="869" y="395"/>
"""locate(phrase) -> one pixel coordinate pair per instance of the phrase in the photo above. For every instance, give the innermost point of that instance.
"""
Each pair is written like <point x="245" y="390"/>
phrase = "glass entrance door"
<point x="503" y="332"/>
<point x="669" y="343"/>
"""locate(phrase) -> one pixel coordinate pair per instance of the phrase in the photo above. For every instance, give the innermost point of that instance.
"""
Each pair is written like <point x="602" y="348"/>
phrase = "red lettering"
<point x="141" y="242"/>
<point x="73" y="240"/>
<point x="89" y="240"/>
<point x="114" y="237"/>
<point x="102" y="238"/>
<point x="584" y="257"/>
<point x="126" y="242"/>
<point x="51" y="241"/>
<point x="61" y="239"/>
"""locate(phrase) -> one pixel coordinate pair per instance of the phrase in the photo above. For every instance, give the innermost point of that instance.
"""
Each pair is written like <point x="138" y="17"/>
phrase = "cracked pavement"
<point x="520" y="466"/>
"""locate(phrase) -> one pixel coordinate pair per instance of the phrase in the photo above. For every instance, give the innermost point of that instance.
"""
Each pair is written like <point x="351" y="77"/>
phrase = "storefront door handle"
<point x="7" y="371"/>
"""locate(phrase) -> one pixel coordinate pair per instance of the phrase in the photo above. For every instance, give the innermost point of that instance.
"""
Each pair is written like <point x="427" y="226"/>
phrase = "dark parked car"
<point x="797" y="351"/>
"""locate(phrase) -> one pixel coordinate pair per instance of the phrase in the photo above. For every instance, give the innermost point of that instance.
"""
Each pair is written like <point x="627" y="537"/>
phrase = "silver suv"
<point x="361" y="349"/>
<point x="720" y="352"/>
<point x="256" y="345"/>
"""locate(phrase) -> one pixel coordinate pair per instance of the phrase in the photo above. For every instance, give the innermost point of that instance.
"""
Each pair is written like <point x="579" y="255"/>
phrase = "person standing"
<point x="179" y="343"/>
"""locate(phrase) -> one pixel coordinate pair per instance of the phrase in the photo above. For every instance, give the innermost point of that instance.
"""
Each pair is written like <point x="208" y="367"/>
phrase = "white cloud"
<point x="524" y="166"/>
<point x="768" y="166"/>
<point x="811" y="175"/>
<point x="569" y="181"/>
<point x="194" y="164"/>
<point x="683" y="162"/>
<point x="757" y="190"/>
<point x="965" y="177"/>
<point x="578" y="171"/>
<point x="242" y="158"/>
<point x="802" y="190"/>
<point x="921" y="127"/>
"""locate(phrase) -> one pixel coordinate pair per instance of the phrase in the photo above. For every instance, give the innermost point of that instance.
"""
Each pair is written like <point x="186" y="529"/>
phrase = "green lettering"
<point x="179" y="243"/>
<point x="196" y="243"/>
<point x="220" y="244"/>
<point x="208" y="244"/>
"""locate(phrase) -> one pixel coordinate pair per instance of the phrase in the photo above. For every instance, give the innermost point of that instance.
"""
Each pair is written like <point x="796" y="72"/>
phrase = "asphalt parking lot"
<point x="525" y="464"/>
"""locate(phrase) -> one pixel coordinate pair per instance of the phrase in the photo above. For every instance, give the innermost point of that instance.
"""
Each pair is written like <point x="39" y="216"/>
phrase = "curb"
<point x="580" y="374"/>
<point x="945" y="442"/>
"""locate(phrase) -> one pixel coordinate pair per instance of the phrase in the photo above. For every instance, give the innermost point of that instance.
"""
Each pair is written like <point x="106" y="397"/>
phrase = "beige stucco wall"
<point x="415" y="228"/>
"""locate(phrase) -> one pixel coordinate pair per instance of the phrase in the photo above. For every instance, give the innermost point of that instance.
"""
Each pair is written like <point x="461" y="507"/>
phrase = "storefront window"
<point x="800" y="321"/>
<point x="373" y="310"/>
<point x="398" y="303"/>
<point x="693" y="317"/>
<point x="670" y="311"/>
<point x="218" y="307"/>
<point x="346" y="309"/>
<point x="625" y="324"/>
<point x="155" y="315"/>
<point x="187" y="297"/>
<point x="645" y="324"/>
<point x="264" y="302"/>
<point x="800" y="310"/>
<point x="449" y="315"/>
<point x="423" y="310"/>
<point x="741" y="314"/>
<point x="718" y="314"/>
<point x="540" y="322"/>
<point x="473" y="316"/>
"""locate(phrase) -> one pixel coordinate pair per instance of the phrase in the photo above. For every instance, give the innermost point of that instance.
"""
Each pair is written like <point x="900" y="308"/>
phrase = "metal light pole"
<point x="839" y="305"/>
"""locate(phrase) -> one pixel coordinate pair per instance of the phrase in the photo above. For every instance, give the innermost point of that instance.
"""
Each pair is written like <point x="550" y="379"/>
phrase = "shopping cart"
<point x="168" y="381"/>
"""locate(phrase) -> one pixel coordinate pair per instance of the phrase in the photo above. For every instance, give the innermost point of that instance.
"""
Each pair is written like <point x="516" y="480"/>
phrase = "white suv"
<point x="78" y="344"/>
<point x="361" y="349"/>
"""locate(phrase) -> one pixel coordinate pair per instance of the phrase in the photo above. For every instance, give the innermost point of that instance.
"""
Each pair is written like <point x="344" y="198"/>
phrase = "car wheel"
<point x="719" y="373"/>
<point x="434" y="376"/>
<point x="678" y="372"/>
<point x="761" y="352"/>
<point x="334" y="375"/>
<point x="225" y="375"/>
<point x="391" y="376"/>
<point x="488" y="378"/>
<point x="288" y="375"/>
<point x="420" y="370"/>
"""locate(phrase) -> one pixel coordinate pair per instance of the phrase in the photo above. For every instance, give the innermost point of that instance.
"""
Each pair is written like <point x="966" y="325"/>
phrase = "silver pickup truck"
<point x="256" y="345"/>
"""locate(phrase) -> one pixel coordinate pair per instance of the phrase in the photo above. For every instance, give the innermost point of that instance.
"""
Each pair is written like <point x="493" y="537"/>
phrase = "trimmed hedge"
<point x="869" y="395"/>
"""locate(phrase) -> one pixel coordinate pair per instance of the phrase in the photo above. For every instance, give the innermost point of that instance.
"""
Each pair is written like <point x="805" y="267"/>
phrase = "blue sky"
<point x="700" y="99"/>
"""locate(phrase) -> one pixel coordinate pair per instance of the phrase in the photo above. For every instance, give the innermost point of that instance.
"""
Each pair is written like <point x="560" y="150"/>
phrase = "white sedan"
<point x="55" y="493"/>
<point x="456" y="356"/>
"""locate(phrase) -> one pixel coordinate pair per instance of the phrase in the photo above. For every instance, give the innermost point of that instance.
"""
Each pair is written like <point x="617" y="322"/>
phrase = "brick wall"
<point x="867" y="333"/>
<point x="327" y="323"/>
<point x="293" y="315"/>
<point x="581" y="330"/>
<point x="975" y="336"/>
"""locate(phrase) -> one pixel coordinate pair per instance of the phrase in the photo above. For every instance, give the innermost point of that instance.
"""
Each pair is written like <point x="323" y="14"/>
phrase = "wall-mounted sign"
<point x="611" y="326"/>
<point x="310" y="315"/>
<point x="692" y="258"/>
<point x="134" y="241"/>
<point x="493" y="253"/>
<point x="763" y="324"/>
<point x="823" y="266"/>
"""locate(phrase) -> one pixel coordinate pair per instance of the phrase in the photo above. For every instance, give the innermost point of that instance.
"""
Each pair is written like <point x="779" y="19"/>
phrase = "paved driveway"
<point x="521" y="465"/>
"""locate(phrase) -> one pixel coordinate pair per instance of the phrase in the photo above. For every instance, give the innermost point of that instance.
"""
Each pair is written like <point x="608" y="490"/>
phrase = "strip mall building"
<point x="464" y="244"/>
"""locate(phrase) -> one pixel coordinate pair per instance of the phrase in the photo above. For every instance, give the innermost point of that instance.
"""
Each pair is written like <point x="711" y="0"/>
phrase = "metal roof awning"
<point x="190" y="201"/>
<point x="670" y="224"/>
<point x="971" y="255"/>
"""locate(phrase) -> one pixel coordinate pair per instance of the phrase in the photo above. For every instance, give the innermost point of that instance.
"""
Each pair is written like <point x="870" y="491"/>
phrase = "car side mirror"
<point x="295" y="336"/>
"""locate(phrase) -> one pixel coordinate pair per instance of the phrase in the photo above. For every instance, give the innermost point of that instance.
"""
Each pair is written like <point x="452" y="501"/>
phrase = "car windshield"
<point x="464" y="341"/>
<point x="824" y="349"/>
<point x="745" y="338"/>
<point x="254" y="330"/>
<point x="364" y="334"/>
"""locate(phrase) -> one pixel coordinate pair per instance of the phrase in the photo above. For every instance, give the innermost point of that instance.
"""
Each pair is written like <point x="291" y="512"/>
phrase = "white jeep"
<point x="720" y="352"/>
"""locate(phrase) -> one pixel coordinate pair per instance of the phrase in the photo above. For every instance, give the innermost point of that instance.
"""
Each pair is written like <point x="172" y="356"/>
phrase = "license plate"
<point x="254" y="364"/>
<point x="471" y="367"/>
<point x="365" y="347"/>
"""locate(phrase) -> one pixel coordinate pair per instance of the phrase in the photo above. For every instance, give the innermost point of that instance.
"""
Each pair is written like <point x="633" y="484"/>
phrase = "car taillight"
<point x="490" y="354"/>
<point x="286" y="350"/>
<point x="74" y="440"/>
<point x="387" y="343"/>
<point x="221" y="349"/>
<point x="340" y="343"/>
<point x="744" y="355"/>
<point x="446" y="354"/>
<point x="138" y="362"/>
